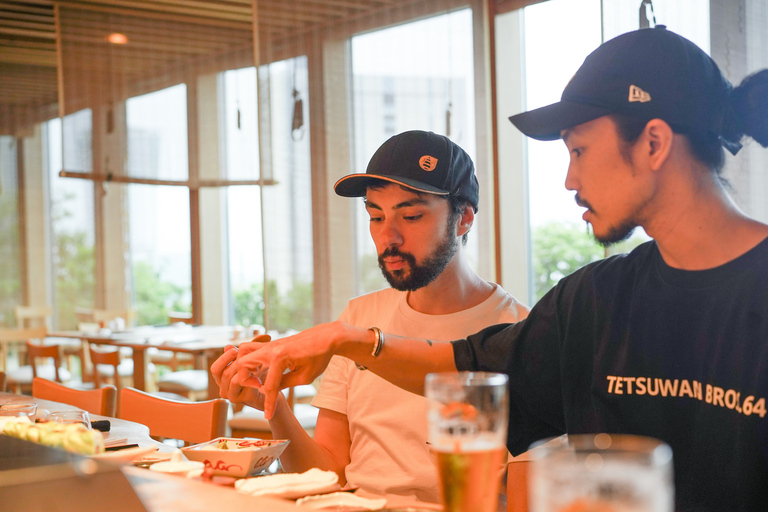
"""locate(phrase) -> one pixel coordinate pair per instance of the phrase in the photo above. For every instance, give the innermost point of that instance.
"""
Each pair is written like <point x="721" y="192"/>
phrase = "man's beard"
<point x="615" y="234"/>
<point x="419" y="276"/>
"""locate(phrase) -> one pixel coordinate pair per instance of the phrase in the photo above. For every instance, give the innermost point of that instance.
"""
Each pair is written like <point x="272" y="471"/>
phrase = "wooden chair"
<point x="20" y="379"/>
<point x="180" y="316"/>
<point x="174" y="360"/>
<point x="104" y="316"/>
<point x="40" y="316"/>
<point x="2" y="382"/>
<point x="191" y="422"/>
<point x="101" y="401"/>
<point x="192" y="383"/>
<point x="108" y="367"/>
<point x="32" y="316"/>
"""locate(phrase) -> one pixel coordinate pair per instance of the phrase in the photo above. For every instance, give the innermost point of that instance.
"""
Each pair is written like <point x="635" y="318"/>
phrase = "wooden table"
<point x="204" y="342"/>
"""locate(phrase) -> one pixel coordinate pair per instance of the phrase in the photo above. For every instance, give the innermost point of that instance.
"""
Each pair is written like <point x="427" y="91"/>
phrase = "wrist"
<point x="355" y="343"/>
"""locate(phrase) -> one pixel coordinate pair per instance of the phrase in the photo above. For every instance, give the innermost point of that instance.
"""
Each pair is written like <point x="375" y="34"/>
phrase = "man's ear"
<point x="658" y="138"/>
<point x="466" y="220"/>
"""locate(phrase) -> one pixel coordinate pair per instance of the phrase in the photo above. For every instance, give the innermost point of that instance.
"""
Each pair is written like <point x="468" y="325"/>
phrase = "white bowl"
<point x="246" y="457"/>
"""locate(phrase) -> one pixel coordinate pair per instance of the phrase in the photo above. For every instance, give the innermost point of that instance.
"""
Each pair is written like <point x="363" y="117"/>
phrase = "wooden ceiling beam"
<point x="38" y="34"/>
<point x="160" y="10"/>
<point x="37" y="18"/>
<point x="31" y="57"/>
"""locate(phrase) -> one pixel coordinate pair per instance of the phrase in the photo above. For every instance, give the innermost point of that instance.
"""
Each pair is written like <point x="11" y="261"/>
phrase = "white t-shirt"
<point x="387" y="425"/>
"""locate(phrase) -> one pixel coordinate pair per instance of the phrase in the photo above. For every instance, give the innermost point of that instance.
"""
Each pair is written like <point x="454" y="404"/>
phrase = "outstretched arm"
<point x="300" y="359"/>
<point x="329" y="450"/>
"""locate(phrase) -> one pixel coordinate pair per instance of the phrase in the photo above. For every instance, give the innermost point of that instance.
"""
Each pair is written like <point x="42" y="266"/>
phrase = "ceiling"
<point x="195" y="29"/>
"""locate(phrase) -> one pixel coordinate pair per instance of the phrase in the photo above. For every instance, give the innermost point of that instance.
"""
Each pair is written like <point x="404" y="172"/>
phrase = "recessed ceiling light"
<point x="117" y="38"/>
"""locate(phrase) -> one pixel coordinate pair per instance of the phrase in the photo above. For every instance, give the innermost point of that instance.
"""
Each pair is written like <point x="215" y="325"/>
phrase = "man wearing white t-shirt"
<point x="421" y="194"/>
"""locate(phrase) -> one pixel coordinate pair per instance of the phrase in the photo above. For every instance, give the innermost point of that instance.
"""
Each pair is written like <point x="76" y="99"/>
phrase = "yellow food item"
<point x="72" y="437"/>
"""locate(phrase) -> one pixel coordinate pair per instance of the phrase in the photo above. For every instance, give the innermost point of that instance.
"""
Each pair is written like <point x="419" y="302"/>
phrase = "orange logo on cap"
<point x="428" y="163"/>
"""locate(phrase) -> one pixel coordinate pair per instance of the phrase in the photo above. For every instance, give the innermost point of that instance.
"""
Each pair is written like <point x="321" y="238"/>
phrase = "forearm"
<point x="402" y="361"/>
<point x="303" y="452"/>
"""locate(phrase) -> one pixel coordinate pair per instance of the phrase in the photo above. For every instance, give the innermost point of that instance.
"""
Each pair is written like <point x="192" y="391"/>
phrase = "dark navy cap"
<point x="645" y="74"/>
<point x="422" y="161"/>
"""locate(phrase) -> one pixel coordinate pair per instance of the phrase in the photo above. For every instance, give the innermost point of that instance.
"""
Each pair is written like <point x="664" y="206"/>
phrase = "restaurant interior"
<point x="167" y="171"/>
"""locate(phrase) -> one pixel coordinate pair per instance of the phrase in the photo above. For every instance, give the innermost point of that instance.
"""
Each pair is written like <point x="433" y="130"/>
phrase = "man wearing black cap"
<point x="421" y="194"/>
<point x="669" y="341"/>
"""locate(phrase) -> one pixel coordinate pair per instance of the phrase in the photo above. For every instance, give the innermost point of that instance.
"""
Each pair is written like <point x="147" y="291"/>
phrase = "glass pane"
<point x="246" y="258"/>
<point x="413" y="76"/>
<point x="10" y="244"/>
<point x="157" y="134"/>
<point x="160" y="252"/>
<point x="241" y="125"/>
<point x="72" y="218"/>
<point x="559" y="34"/>
<point x="287" y="255"/>
<point x="288" y="201"/>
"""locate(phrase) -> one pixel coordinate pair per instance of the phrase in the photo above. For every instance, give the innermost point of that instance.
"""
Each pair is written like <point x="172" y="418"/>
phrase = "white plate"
<point x="127" y="455"/>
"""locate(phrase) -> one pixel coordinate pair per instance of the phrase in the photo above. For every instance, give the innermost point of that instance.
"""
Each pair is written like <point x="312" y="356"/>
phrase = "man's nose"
<point x="391" y="234"/>
<point x="571" y="179"/>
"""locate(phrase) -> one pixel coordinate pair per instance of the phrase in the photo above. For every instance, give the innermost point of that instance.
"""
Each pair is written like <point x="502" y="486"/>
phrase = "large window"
<point x="416" y="76"/>
<point x="281" y="246"/>
<point x="10" y="244"/>
<point x="559" y="34"/>
<point x="159" y="223"/>
<point x="71" y="218"/>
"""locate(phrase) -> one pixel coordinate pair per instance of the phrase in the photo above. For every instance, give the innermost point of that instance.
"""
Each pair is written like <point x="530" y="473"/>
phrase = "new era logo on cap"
<point x="636" y="94"/>
<point x="428" y="163"/>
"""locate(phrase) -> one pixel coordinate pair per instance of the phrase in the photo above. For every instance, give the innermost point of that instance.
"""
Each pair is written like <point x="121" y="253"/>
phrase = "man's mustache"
<point x="582" y="202"/>
<point x="394" y="252"/>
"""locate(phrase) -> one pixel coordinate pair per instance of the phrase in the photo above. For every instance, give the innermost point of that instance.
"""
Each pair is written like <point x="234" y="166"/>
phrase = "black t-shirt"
<point x="631" y="345"/>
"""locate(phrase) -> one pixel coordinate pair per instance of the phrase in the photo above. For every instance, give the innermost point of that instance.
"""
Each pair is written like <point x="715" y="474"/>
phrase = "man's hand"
<point x="291" y="361"/>
<point x="225" y="372"/>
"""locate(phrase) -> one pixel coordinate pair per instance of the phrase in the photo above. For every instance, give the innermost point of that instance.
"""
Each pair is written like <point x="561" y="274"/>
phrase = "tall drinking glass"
<point x="612" y="473"/>
<point x="467" y="420"/>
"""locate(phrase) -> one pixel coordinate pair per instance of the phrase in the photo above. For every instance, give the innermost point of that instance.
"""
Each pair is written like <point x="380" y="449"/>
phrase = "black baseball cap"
<point x="422" y="161"/>
<point x="646" y="74"/>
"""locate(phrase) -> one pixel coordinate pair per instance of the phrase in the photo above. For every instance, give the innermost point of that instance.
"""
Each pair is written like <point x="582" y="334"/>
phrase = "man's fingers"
<point x="272" y="386"/>
<point x="261" y="338"/>
<point x="226" y="359"/>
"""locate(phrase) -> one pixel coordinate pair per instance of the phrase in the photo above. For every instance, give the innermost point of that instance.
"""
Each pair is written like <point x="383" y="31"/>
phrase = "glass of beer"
<point x="601" y="472"/>
<point x="467" y="418"/>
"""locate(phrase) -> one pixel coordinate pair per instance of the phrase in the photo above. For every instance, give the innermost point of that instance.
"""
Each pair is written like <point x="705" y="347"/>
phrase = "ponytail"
<point x="748" y="110"/>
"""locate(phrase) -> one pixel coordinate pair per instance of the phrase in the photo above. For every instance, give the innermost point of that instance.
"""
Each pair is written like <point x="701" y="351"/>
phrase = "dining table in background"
<point x="204" y="342"/>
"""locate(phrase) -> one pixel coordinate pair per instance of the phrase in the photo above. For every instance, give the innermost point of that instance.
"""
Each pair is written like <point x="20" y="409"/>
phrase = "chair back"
<point x="23" y="334"/>
<point x="106" y="357"/>
<point x="104" y="316"/>
<point x="101" y="401"/>
<point x="37" y="351"/>
<point x="180" y="316"/>
<point x="32" y="316"/>
<point x="191" y="422"/>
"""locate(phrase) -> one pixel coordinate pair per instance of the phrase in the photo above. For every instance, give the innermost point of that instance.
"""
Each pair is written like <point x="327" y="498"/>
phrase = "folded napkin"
<point x="342" y="501"/>
<point x="290" y="485"/>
